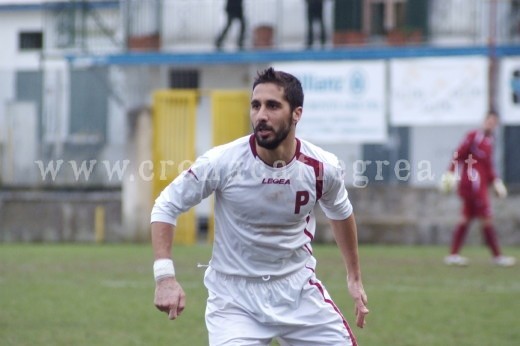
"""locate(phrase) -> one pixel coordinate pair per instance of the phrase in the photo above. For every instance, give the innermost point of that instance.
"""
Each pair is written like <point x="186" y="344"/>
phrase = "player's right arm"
<point x="186" y="191"/>
<point x="462" y="152"/>
<point x="169" y="295"/>
<point x="449" y="178"/>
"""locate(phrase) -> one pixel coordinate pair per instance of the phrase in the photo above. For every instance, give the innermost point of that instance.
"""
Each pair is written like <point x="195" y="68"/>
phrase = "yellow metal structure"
<point x="99" y="224"/>
<point x="230" y="120"/>
<point x="229" y="115"/>
<point x="174" y="119"/>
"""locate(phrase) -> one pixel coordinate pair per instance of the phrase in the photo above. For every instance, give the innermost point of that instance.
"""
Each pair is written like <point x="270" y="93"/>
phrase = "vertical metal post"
<point x="158" y="15"/>
<point x="493" y="68"/>
<point x="367" y="17"/>
<point x="389" y="18"/>
<point x="83" y="14"/>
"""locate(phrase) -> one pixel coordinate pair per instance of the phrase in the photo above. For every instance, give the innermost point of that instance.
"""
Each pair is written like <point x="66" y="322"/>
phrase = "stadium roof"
<point x="12" y="5"/>
<point x="251" y="56"/>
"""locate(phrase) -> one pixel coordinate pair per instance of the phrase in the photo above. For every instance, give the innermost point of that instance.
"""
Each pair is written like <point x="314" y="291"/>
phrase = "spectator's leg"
<point x="310" y="34"/>
<point x="242" y="33"/>
<point x="323" y="35"/>
<point x="223" y="34"/>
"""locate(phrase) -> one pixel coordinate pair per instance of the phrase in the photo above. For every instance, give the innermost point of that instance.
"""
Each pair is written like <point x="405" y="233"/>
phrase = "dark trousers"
<point x="222" y="36"/>
<point x="310" y="29"/>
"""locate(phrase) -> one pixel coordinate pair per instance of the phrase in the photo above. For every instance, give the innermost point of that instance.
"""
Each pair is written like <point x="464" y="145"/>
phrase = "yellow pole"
<point x="99" y="224"/>
<point x="174" y="124"/>
<point x="230" y="120"/>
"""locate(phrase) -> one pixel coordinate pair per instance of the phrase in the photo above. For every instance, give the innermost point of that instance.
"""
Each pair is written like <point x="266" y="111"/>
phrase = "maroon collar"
<point x="252" y="144"/>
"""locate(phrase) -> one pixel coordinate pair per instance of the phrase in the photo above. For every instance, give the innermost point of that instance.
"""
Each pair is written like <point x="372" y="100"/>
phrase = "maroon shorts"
<point x="476" y="206"/>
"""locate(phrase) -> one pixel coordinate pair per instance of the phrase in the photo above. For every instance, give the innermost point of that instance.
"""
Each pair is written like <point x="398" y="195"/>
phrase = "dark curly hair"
<point x="292" y="88"/>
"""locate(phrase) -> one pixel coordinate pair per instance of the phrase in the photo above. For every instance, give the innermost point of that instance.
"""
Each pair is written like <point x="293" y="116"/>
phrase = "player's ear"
<point x="297" y="115"/>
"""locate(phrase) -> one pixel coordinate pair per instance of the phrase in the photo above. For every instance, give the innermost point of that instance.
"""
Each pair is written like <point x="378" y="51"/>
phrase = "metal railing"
<point x="193" y="25"/>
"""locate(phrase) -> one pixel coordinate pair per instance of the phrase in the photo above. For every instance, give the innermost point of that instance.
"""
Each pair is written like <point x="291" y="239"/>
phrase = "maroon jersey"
<point x="473" y="162"/>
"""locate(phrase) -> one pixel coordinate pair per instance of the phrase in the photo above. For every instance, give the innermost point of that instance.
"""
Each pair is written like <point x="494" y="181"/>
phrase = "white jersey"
<point x="264" y="221"/>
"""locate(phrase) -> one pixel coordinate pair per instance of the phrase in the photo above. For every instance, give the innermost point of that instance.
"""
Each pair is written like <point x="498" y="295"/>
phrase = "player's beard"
<point x="279" y="136"/>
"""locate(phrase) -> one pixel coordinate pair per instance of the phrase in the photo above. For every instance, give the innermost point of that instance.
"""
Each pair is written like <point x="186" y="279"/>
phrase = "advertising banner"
<point x="438" y="91"/>
<point x="344" y="101"/>
<point x="510" y="91"/>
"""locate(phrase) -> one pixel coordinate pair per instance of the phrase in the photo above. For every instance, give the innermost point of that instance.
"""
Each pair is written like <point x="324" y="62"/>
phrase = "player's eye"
<point x="273" y="105"/>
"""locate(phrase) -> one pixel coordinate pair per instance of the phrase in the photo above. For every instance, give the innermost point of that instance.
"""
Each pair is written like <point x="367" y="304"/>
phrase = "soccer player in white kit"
<point x="261" y="277"/>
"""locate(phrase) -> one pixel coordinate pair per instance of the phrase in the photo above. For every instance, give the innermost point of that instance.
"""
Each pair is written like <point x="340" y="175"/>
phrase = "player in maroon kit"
<point x="473" y="164"/>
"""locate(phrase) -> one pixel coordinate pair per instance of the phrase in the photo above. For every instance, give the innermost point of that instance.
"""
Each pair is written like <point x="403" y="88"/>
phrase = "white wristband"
<point x="163" y="268"/>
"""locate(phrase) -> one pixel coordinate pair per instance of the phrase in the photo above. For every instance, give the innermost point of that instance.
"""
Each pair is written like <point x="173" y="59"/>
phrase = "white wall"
<point x="12" y="59"/>
<point x="6" y="94"/>
<point x="11" y="24"/>
<point x="426" y="147"/>
<point x="136" y="84"/>
<point x="21" y="145"/>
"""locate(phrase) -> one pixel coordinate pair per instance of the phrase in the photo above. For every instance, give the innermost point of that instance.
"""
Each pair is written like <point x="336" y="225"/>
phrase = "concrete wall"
<point x="59" y="216"/>
<point x="419" y="216"/>
<point x="385" y="215"/>
<point x="137" y="184"/>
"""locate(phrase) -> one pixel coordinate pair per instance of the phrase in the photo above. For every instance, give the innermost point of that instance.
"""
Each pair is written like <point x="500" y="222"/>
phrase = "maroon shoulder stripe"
<point x="318" y="171"/>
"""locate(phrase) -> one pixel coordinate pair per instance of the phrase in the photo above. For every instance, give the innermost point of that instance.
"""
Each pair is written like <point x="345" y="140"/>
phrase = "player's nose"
<point x="262" y="114"/>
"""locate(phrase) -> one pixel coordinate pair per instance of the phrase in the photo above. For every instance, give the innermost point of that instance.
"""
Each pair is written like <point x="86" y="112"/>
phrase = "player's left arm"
<point x="345" y="234"/>
<point x="338" y="209"/>
<point x="494" y="180"/>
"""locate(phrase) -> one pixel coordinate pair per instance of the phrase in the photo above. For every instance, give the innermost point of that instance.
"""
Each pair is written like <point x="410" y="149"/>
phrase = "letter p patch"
<point x="302" y="198"/>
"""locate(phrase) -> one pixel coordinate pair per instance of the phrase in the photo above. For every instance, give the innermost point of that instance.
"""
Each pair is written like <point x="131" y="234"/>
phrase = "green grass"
<point x="103" y="295"/>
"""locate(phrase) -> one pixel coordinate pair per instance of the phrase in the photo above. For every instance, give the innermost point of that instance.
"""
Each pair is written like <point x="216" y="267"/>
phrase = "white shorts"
<point x="295" y="309"/>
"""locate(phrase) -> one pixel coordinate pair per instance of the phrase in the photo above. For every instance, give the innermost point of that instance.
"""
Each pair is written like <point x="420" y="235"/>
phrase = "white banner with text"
<point x="344" y="101"/>
<point x="438" y="91"/>
<point x="510" y="91"/>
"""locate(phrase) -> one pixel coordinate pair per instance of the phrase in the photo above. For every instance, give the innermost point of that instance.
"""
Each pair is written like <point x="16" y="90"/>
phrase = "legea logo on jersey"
<point x="276" y="181"/>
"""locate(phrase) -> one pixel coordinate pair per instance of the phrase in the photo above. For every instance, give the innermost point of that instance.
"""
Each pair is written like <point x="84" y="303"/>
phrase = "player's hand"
<point x="356" y="290"/>
<point x="500" y="188"/>
<point x="448" y="181"/>
<point x="169" y="297"/>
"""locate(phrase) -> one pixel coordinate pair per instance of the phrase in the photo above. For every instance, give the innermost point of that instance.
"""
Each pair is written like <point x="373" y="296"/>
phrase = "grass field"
<point x="103" y="295"/>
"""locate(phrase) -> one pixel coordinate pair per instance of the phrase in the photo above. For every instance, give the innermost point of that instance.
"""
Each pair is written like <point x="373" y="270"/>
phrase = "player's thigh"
<point x="469" y="207"/>
<point x="316" y="335"/>
<point x="229" y="325"/>
<point x="320" y="321"/>
<point x="483" y="205"/>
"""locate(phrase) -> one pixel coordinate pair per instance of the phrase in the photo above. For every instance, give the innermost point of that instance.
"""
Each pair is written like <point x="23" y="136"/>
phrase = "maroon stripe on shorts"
<point x="334" y="306"/>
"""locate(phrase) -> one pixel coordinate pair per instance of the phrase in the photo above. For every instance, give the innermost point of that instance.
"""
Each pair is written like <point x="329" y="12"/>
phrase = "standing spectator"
<point x="234" y="10"/>
<point x="474" y="160"/>
<point x="315" y="14"/>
